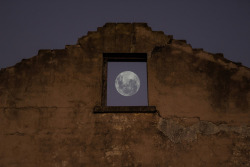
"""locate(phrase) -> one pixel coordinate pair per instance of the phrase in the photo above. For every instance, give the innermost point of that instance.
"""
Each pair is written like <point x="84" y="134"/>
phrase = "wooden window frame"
<point x="120" y="57"/>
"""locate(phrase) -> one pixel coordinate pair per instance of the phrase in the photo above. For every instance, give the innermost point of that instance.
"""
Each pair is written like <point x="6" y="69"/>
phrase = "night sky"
<point x="116" y="99"/>
<point x="217" y="26"/>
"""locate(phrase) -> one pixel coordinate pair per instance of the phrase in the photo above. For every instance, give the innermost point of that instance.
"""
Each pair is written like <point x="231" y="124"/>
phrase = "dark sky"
<point x="217" y="26"/>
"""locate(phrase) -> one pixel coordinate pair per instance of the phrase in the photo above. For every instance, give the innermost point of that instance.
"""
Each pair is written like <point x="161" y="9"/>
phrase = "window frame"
<point x="120" y="57"/>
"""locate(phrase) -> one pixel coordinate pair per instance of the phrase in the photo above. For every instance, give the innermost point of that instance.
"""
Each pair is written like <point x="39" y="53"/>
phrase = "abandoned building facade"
<point x="57" y="109"/>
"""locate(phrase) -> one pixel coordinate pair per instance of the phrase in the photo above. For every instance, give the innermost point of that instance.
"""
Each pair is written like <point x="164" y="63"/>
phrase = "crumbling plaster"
<point x="202" y="102"/>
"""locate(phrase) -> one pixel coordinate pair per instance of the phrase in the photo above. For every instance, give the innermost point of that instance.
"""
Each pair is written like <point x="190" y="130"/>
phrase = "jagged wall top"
<point x="133" y="38"/>
<point x="124" y="37"/>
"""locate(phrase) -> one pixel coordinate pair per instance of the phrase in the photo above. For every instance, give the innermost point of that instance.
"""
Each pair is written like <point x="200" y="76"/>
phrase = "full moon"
<point x="127" y="83"/>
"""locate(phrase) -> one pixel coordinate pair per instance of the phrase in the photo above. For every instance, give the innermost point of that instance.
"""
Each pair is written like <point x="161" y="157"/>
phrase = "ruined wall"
<point x="202" y="101"/>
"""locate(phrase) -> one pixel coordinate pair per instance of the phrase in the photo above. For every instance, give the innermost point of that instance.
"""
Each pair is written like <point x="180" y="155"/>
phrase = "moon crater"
<point x="127" y="83"/>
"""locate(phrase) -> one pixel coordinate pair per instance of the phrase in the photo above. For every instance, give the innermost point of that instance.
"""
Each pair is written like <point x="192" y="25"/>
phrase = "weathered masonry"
<point x="53" y="109"/>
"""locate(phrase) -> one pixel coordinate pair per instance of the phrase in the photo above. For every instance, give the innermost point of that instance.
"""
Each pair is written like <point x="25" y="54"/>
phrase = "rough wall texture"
<point x="203" y="103"/>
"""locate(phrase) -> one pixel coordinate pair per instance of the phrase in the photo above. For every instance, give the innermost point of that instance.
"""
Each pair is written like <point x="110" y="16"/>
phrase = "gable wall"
<point x="46" y="106"/>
